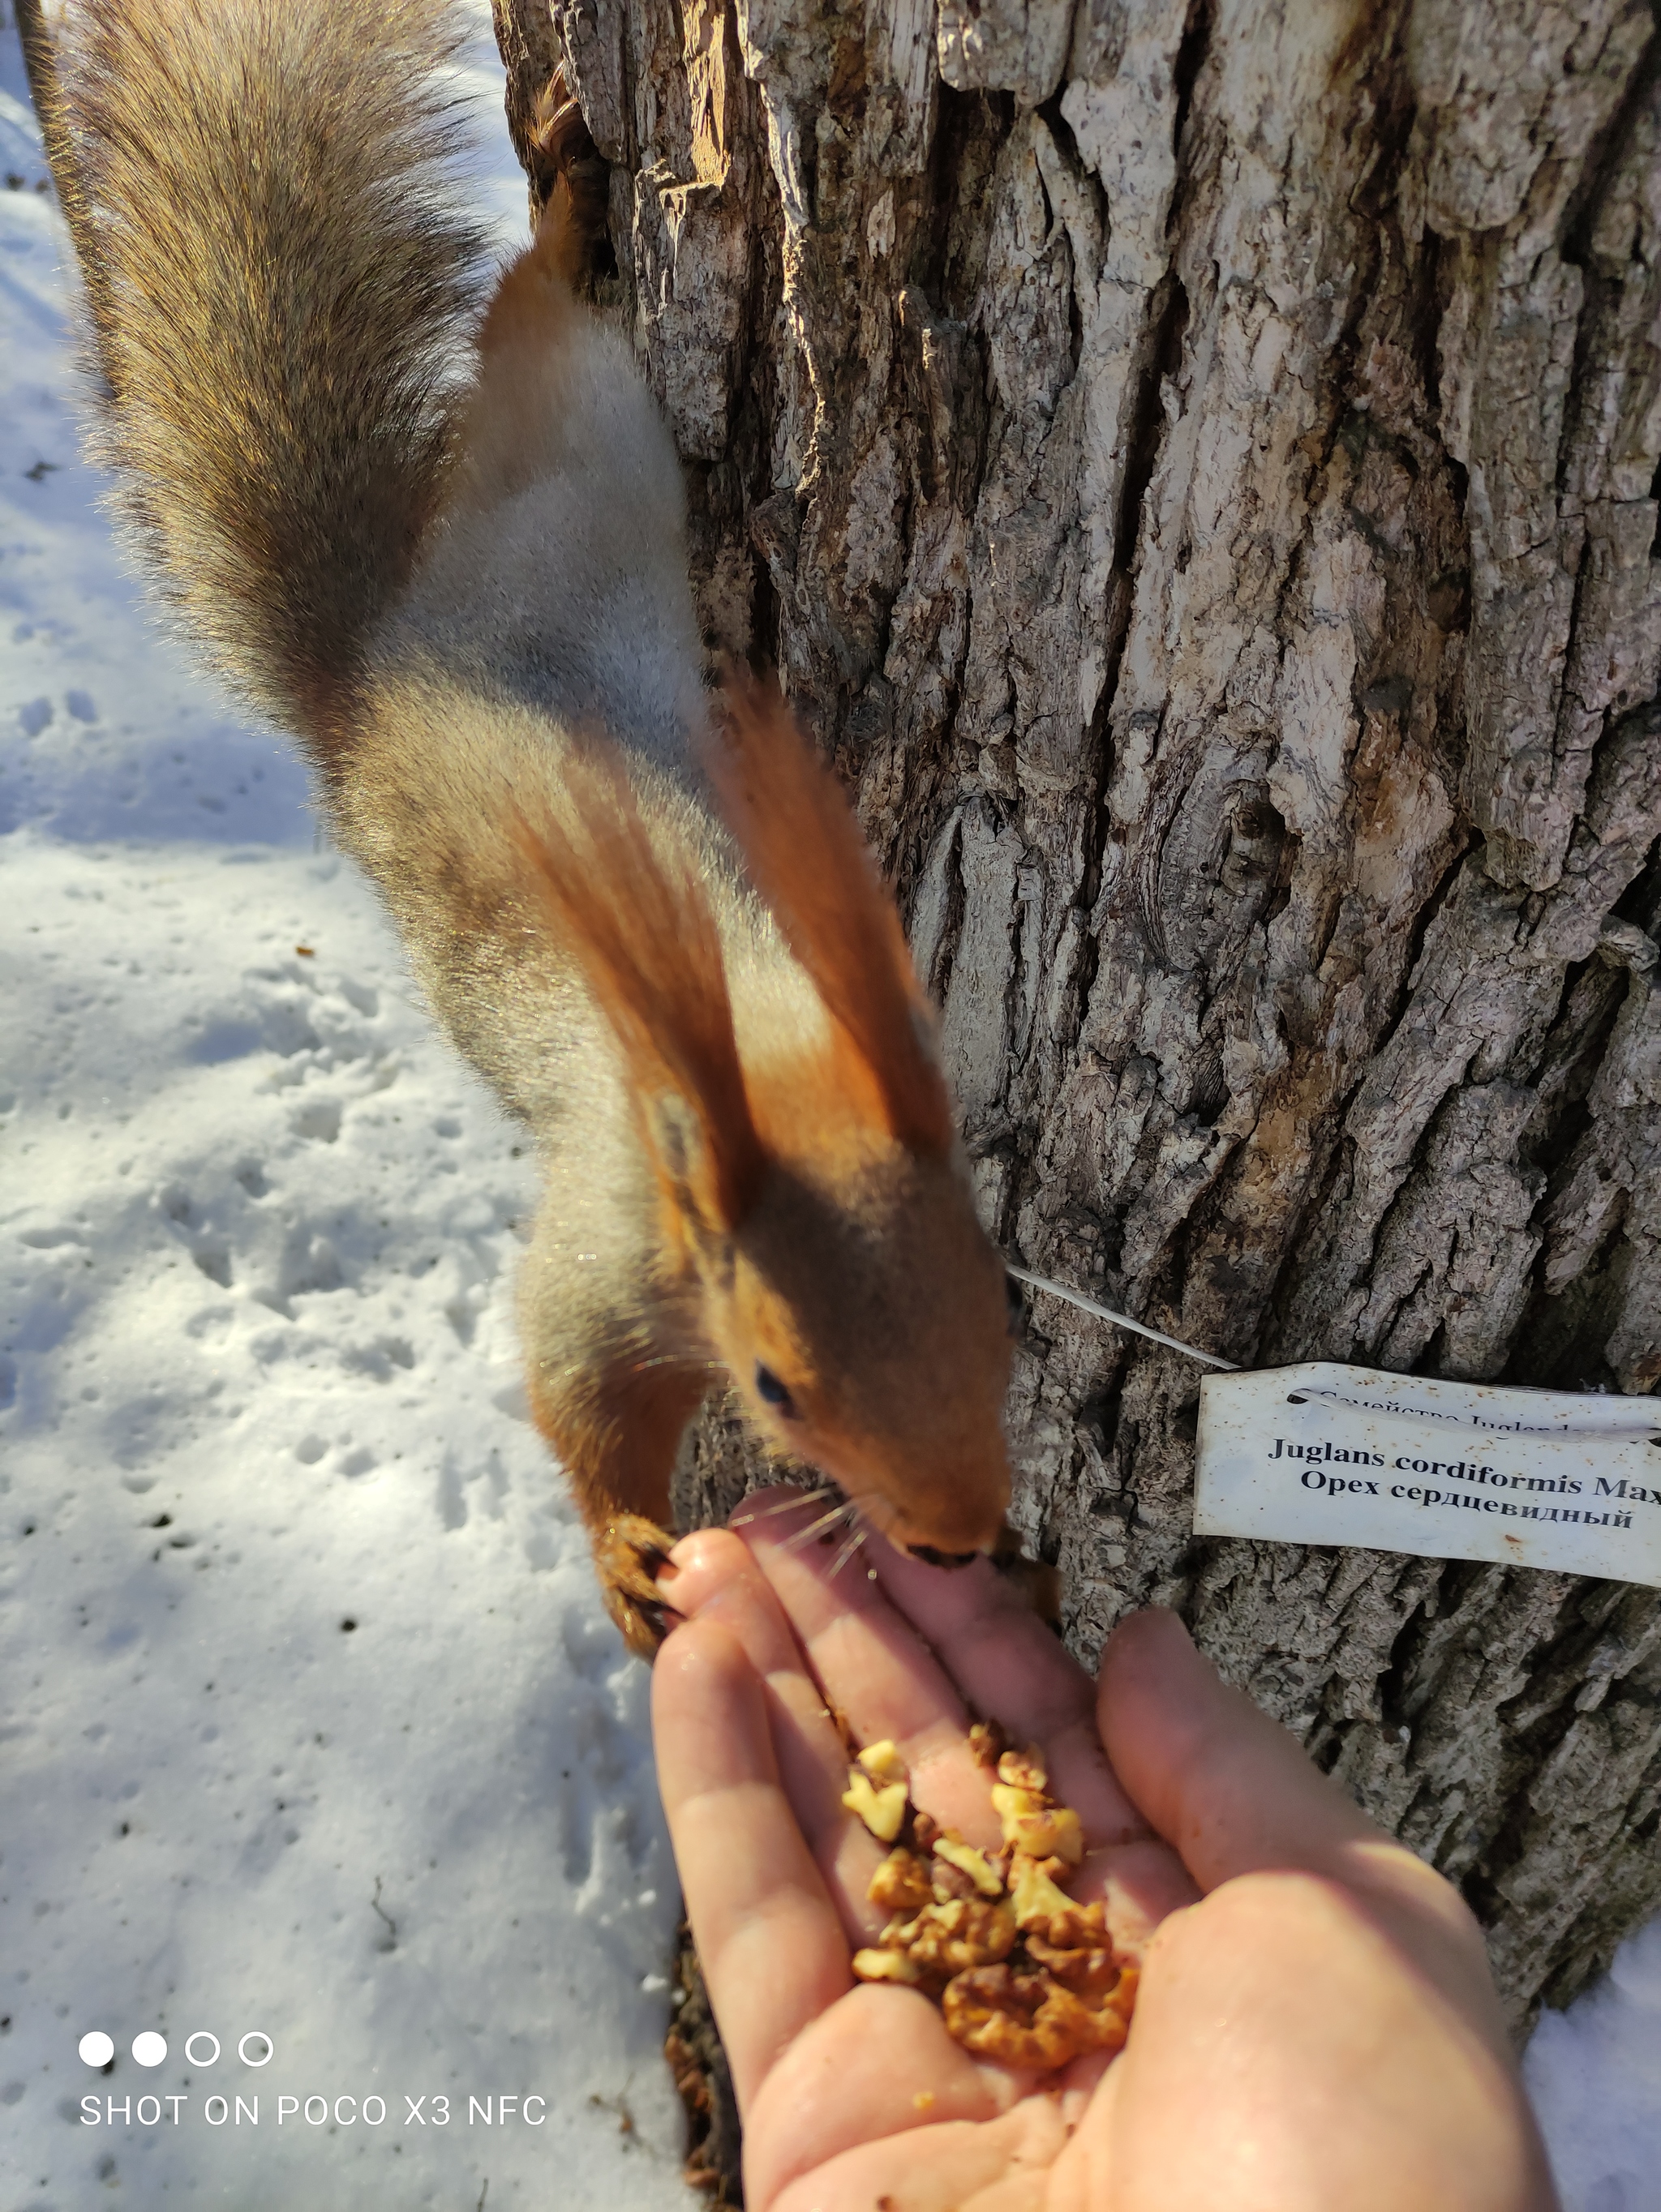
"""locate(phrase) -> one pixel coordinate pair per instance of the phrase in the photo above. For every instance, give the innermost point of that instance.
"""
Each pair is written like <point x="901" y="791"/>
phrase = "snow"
<point x="258" y="1383"/>
<point x="313" y="1725"/>
<point x="1594" y="2073"/>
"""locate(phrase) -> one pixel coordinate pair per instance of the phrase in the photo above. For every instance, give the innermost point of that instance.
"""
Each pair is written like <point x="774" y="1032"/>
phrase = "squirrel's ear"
<point x="634" y="914"/>
<point x="809" y="860"/>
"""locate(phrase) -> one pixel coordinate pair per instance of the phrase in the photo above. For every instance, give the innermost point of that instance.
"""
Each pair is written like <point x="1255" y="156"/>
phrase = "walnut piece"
<point x="1023" y="1770"/>
<point x="948" y="1881"/>
<point x="1031" y="1825"/>
<point x="986" y="1744"/>
<point x="1037" y="1900"/>
<point x="967" y="1860"/>
<point x="887" y="1967"/>
<point x="902" y="1882"/>
<point x="883" y="1811"/>
<point x="883" y="1763"/>
<point x="1090" y="1971"/>
<point x="1079" y="1924"/>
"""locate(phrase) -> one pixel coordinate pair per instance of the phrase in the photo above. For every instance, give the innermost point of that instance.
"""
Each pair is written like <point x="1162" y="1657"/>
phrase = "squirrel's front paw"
<point x="627" y="1552"/>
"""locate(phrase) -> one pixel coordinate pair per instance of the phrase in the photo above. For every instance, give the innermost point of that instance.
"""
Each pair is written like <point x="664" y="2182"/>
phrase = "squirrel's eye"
<point x="768" y="1387"/>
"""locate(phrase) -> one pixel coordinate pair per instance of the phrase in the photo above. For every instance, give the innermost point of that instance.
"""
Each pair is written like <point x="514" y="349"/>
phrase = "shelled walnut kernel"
<point x="1022" y="1973"/>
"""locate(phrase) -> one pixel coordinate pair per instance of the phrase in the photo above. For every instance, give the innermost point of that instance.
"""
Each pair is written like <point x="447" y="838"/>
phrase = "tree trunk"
<point x="1192" y="463"/>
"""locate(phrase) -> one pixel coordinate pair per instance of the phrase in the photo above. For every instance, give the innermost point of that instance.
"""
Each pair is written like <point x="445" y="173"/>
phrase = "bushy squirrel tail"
<point x="280" y="297"/>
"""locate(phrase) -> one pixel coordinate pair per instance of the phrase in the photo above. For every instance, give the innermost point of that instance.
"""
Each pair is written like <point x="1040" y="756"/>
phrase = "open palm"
<point x="1316" y="2027"/>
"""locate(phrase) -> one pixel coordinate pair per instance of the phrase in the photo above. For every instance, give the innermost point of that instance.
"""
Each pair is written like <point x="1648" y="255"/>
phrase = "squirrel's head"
<point x="805" y="1153"/>
<point x="863" y="1314"/>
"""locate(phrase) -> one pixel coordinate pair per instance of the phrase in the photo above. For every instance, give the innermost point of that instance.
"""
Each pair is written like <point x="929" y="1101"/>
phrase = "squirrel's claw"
<point x="629" y="1552"/>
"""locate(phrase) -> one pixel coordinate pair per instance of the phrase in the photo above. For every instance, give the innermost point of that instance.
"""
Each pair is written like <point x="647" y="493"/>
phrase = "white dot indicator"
<point x="150" y="2049"/>
<point x="96" y="2049"/>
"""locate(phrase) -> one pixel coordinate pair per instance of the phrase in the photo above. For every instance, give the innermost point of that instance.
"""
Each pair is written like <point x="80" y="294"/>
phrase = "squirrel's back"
<point x="554" y="574"/>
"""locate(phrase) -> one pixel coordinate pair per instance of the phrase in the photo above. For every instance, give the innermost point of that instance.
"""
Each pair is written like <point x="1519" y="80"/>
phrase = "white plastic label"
<point x="1329" y="1454"/>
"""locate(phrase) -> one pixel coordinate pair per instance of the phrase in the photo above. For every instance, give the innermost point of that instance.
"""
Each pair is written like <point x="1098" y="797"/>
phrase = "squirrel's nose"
<point x="932" y="1558"/>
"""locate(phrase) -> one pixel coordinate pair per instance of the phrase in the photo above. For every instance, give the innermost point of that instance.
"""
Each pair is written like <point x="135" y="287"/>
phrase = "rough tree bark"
<point x="1194" y="463"/>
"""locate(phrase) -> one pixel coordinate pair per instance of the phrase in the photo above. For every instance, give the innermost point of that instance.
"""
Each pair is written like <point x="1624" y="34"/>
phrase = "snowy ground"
<point x="313" y="1725"/>
<point x="1594" y="2074"/>
<point x="312" y="1722"/>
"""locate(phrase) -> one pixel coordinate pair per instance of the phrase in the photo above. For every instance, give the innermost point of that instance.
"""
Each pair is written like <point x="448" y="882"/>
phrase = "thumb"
<point x="1230" y="1789"/>
<point x="1235" y="1794"/>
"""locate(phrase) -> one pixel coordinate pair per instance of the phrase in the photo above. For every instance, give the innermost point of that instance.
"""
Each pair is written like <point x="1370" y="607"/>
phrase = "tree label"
<point x="1322" y="1454"/>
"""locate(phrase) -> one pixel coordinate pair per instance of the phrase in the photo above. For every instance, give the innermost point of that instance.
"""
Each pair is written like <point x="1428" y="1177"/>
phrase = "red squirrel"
<point x="446" y="548"/>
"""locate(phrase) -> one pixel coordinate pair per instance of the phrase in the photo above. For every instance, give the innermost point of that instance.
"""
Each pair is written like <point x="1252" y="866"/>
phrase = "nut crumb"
<point x="968" y="1861"/>
<point x="987" y="1743"/>
<point x="1023" y="1770"/>
<point x="883" y="1763"/>
<point x="887" y="1967"/>
<point x="903" y="1883"/>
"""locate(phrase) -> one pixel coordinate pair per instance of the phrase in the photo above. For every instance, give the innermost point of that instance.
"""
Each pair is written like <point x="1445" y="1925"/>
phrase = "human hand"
<point x="1316" y="2029"/>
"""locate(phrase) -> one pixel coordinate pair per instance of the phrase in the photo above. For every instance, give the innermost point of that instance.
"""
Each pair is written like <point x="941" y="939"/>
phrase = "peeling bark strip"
<point x="1195" y="463"/>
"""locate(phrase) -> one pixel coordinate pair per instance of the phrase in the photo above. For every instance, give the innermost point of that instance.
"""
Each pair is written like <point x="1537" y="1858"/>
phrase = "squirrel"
<point x="436" y="530"/>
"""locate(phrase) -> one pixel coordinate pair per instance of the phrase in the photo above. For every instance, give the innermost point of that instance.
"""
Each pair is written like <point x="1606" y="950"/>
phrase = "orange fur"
<point x="615" y="1430"/>
<point x="566" y="161"/>
<point x="825" y="1107"/>
<point x="809" y="862"/>
<point x="641" y="928"/>
<point x="537" y="287"/>
<point x="505" y="430"/>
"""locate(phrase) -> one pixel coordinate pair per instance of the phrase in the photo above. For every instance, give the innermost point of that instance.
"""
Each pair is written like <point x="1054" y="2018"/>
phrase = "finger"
<point x="874" y="1669"/>
<point x="1011" y="1667"/>
<point x="1235" y="1793"/>
<point x="770" y="1942"/>
<point x="1220" y="1780"/>
<point x="715" y="1578"/>
<point x="713" y="1569"/>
